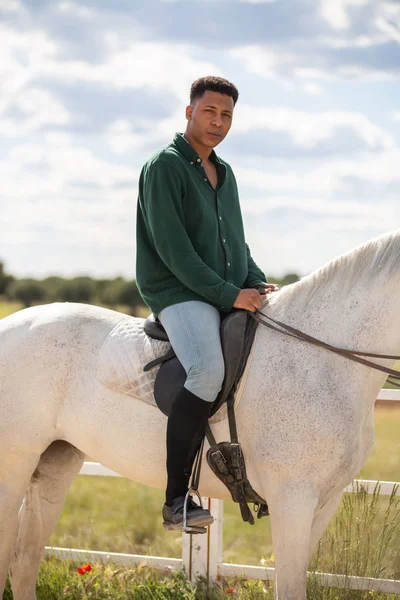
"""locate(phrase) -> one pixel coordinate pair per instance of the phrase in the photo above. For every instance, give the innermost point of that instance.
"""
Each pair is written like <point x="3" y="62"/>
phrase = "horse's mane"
<point x="365" y="264"/>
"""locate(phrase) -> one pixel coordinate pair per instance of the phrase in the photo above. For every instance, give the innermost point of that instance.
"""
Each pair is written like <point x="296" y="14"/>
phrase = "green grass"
<point x="8" y="308"/>
<point x="384" y="460"/>
<point x="362" y="540"/>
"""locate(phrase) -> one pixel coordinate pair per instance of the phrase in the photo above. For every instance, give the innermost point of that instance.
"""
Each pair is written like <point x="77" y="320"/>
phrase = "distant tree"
<point x="53" y="287"/>
<point x="79" y="289"/>
<point x="286" y="279"/>
<point x="130" y="296"/>
<point x="110" y="291"/>
<point x="5" y="279"/>
<point x="26" y="291"/>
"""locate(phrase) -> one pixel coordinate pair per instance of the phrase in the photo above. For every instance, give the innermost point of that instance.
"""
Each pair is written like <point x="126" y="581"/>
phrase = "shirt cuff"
<point x="229" y="294"/>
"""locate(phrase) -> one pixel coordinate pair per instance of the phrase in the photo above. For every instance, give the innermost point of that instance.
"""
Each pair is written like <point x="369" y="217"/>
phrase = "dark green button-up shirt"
<point x="190" y="238"/>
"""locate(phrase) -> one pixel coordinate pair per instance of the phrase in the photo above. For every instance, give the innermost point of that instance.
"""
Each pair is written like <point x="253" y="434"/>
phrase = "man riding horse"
<point x="193" y="264"/>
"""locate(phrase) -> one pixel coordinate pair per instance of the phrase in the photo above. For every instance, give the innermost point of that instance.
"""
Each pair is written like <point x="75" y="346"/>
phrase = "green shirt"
<point x="190" y="238"/>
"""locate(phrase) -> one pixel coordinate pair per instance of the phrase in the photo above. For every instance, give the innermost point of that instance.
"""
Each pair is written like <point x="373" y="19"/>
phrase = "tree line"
<point x="106" y="292"/>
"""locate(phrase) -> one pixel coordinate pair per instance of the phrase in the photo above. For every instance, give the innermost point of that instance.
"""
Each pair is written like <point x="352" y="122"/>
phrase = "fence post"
<point x="202" y="553"/>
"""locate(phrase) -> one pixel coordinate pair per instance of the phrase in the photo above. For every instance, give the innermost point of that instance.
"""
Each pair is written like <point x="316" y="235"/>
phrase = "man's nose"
<point x="217" y="121"/>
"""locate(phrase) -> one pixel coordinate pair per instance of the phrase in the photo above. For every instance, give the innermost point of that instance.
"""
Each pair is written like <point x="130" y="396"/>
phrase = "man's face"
<point x="210" y="118"/>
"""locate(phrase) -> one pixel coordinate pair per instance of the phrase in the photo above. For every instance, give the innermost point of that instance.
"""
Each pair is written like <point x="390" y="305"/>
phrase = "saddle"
<point x="224" y="458"/>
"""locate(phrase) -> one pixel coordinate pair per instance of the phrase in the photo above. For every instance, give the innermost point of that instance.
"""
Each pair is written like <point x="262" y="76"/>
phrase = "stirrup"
<point x="188" y="528"/>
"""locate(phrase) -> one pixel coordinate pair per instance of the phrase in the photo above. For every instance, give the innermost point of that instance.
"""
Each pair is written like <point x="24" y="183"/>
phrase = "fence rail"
<point x="204" y="558"/>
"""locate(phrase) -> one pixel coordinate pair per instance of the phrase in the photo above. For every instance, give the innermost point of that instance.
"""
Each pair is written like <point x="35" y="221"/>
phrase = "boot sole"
<point x="169" y="526"/>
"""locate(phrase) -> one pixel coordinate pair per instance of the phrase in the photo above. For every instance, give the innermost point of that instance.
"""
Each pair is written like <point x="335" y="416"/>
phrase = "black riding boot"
<point x="185" y="431"/>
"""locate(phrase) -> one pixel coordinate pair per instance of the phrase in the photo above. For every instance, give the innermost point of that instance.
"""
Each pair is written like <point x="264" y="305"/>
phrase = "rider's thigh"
<point x="193" y="328"/>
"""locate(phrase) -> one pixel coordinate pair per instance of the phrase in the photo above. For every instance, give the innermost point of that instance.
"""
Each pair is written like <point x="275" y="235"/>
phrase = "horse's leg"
<point x="15" y="471"/>
<point x="292" y="513"/>
<point x="43" y="504"/>
<point x="322" y="519"/>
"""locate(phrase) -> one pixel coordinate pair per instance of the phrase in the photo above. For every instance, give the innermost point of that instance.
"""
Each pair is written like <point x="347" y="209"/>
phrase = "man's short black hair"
<point x="213" y="84"/>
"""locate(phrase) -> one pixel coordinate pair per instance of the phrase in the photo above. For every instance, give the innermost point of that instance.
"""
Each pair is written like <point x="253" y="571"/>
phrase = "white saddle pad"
<point x="123" y="355"/>
<point x="125" y="352"/>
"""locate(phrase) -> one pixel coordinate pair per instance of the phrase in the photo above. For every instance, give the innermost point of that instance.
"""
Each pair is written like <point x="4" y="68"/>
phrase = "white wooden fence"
<point x="202" y="554"/>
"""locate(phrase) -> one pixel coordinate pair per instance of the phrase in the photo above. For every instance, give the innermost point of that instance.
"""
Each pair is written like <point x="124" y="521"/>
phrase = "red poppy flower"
<point x="230" y="590"/>
<point x="84" y="569"/>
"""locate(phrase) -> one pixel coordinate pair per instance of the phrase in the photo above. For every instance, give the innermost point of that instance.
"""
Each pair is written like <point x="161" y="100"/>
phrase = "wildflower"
<point x="84" y="569"/>
<point x="230" y="590"/>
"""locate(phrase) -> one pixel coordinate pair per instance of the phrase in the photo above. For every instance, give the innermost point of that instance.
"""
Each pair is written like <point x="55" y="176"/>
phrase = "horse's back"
<point x="44" y="351"/>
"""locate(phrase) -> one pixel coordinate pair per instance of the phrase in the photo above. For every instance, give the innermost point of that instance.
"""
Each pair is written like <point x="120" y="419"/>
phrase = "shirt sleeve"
<point x="162" y="198"/>
<point x="255" y="275"/>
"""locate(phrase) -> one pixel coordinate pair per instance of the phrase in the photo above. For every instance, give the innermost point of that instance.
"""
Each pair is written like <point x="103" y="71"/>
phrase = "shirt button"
<point x="205" y="178"/>
<point x="199" y="160"/>
<point x="229" y="264"/>
<point x="192" y="163"/>
<point x="224" y="240"/>
<point x="220" y="218"/>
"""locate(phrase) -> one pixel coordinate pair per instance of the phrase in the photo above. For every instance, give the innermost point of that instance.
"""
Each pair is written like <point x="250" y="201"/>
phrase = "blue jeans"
<point x="193" y="330"/>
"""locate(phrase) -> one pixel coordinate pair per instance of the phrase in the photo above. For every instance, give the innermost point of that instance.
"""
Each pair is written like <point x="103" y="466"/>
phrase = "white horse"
<point x="304" y="415"/>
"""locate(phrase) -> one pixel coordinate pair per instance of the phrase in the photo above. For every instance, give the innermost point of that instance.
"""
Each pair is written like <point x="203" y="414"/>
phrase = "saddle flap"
<point x="169" y="381"/>
<point x="233" y="331"/>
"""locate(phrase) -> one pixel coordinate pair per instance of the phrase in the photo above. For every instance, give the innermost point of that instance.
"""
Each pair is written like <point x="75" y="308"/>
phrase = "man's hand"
<point x="251" y="299"/>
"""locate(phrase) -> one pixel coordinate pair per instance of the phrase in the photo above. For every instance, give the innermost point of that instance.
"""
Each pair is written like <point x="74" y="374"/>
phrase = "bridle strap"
<point x="354" y="355"/>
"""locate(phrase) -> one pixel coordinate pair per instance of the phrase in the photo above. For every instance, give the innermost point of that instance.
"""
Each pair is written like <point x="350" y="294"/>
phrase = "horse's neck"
<point x="363" y="317"/>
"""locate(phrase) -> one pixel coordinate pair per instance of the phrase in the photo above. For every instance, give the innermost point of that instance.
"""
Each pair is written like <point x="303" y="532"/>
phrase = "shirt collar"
<point x="190" y="153"/>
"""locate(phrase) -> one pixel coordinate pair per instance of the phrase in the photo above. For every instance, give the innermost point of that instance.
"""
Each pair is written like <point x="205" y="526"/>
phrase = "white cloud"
<point x="260" y="60"/>
<point x="329" y="180"/>
<point x="362" y="41"/>
<point x="288" y="66"/>
<point x="75" y="9"/>
<point x="31" y="55"/>
<point x="11" y="6"/>
<point x="75" y="199"/>
<point x="142" y="65"/>
<point x="125" y="136"/>
<point x="247" y="1"/>
<point x="313" y="88"/>
<point x="320" y="204"/>
<point x="64" y="163"/>
<point x="40" y="107"/>
<point x="396" y="115"/>
<point x="308" y="129"/>
<point x="387" y="20"/>
<point x="315" y="181"/>
<point x="391" y="29"/>
<point x="336" y="12"/>
<point x="24" y="56"/>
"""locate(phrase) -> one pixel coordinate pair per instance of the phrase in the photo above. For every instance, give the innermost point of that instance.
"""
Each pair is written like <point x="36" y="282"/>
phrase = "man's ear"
<point x="189" y="110"/>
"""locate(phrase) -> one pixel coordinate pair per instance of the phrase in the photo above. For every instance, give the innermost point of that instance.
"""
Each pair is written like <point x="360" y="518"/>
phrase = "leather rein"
<point x="354" y="355"/>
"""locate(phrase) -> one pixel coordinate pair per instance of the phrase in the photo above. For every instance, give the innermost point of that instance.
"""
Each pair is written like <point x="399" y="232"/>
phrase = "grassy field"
<point x="362" y="540"/>
<point x="105" y="582"/>
<point x="8" y="308"/>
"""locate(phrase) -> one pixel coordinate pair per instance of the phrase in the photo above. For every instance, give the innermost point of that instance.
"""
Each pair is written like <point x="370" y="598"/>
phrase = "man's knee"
<point x="206" y="379"/>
